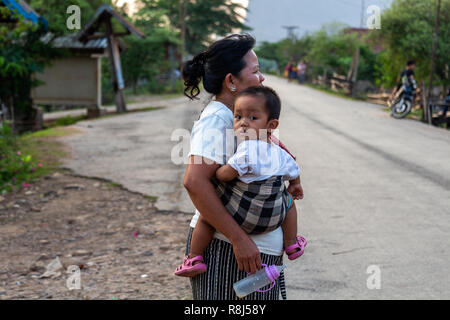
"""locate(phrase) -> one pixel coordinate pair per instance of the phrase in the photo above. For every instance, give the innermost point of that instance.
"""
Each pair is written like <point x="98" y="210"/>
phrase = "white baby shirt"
<point x="257" y="160"/>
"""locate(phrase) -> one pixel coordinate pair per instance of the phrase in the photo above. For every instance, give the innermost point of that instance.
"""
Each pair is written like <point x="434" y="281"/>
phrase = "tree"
<point x="332" y="51"/>
<point x="22" y="53"/>
<point x="146" y="58"/>
<point x="202" y="19"/>
<point x="160" y="21"/>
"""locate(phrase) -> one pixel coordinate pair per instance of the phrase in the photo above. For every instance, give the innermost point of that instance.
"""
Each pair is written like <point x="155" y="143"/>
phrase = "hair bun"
<point x="193" y="71"/>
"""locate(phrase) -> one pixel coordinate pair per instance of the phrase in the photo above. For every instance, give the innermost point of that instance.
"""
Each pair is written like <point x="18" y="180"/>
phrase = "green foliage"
<point x="203" y="19"/>
<point x="16" y="169"/>
<point x="55" y="12"/>
<point x="332" y="51"/>
<point x="329" y="48"/>
<point x="367" y="63"/>
<point x="22" y="53"/>
<point x="407" y="32"/>
<point x="146" y="58"/>
<point x="268" y="66"/>
<point x="285" y="50"/>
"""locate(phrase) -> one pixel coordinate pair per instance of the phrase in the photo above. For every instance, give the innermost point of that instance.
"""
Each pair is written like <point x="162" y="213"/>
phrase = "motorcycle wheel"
<point x="401" y="109"/>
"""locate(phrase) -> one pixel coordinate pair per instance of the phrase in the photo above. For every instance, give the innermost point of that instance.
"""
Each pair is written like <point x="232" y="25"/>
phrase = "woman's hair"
<point x="272" y="101"/>
<point x="222" y="57"/>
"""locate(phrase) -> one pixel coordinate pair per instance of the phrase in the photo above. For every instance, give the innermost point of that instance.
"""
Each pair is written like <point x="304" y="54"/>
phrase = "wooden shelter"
<point x="109" y="24"/>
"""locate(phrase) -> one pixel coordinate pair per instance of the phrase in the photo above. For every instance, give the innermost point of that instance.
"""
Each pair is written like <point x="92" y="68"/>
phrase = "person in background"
<point x="406" y="78"/>
<point x="286" y="70"/>
<point x="301" y="71"/>
<point x="292" y="71"/>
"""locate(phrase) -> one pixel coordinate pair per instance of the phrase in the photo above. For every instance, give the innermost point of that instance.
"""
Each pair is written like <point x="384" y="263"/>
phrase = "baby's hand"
<point x="296" y="191"/>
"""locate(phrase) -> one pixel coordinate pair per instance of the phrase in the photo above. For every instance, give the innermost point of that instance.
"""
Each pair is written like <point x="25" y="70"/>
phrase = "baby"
<point x="257" y="199"/>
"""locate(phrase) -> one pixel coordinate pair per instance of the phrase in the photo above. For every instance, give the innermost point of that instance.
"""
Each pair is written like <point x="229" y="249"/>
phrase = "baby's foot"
<point x="191" y="267"/>
<point x="296" y="250"/>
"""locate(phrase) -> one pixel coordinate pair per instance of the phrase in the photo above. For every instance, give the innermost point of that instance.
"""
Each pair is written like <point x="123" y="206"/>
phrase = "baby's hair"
<point x="272" y="100"/>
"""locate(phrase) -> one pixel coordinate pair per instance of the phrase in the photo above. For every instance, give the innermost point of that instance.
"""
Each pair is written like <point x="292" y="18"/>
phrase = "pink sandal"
<point x="189" y="268"/>
<point x="300" y="245"/>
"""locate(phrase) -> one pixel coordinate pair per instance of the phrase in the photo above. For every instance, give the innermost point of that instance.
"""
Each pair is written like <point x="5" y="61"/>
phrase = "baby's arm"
<point x="226" y="173"/>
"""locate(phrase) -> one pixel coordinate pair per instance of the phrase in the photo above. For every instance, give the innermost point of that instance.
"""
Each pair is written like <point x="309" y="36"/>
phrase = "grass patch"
<point x="66" y="121"/>
<point x="415" y="114"/>
<point x="340" y="94"/>
<point x="146" y="109"/>
<point x="43" y="145"/>
<point x="27" y="157"/>
<point x="152" y="198"/>
<point x="49" y="133"/>
<point x="69" y="120"/>
<point x="114" y="185"/>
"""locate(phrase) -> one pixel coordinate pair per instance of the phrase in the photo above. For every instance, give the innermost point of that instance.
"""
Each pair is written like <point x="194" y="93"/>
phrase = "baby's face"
<point x="251" y="118"/>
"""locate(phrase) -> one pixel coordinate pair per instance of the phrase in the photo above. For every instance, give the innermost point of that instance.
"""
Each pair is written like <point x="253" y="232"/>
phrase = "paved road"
<point x="377" y="190"/>
<point x="134" y="150"/>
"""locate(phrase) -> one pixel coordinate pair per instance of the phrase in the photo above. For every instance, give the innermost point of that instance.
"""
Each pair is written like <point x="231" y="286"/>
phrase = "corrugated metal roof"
<point x="69" y="42"/>
<point x="100" y="17"/>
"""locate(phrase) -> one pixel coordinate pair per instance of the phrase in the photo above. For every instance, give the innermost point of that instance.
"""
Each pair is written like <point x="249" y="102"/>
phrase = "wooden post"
<point x="172" y="67"/>
<point x="115" y="67"/>
<point x="433" y="55"/>
<point x="424" y="101"/>
<point x="182" y="11"/>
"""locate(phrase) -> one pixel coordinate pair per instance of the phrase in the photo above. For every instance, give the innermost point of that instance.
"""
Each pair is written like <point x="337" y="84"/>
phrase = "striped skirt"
<point x="222" y="272"/>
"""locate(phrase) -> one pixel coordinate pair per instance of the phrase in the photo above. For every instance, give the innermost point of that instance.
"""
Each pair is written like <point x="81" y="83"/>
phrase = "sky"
<point x="267" y="17"/>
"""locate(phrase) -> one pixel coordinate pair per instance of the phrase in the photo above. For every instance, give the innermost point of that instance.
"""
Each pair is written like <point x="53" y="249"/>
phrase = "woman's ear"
<point x="272" y="124"/>
<point x="229" y="83"/>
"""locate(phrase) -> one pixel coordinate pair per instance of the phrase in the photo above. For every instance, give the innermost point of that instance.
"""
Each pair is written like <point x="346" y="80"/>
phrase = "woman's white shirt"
<point x="212" y="138"/>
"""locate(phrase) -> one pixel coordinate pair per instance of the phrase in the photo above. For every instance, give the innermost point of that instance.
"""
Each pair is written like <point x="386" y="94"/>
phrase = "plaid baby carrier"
<point x="258" y="207"/>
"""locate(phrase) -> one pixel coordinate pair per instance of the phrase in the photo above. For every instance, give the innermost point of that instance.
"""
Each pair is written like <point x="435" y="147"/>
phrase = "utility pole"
<point x="290" y="31"/>
<point x="352" y="75"/>
<point x="427" y="111"/>
<point x="363" y="7"/>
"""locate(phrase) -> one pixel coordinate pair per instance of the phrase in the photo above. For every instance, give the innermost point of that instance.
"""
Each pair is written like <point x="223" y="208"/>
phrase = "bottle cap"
<point x="272" y="272"/>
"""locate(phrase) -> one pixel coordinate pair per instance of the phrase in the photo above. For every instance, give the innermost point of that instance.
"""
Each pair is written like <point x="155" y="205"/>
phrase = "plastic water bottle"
<point x="259" y="279"/>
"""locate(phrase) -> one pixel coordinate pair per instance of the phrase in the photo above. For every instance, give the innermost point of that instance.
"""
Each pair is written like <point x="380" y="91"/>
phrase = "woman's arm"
<point x="203" y="195"/>
<point x="226" y="173"/>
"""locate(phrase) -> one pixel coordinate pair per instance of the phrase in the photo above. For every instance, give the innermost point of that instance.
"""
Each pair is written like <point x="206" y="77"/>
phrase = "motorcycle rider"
<point x="405" y="78"/>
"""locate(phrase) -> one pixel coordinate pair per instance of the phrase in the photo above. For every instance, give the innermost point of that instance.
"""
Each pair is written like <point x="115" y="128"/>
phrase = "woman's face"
<point x="250" y="75"/>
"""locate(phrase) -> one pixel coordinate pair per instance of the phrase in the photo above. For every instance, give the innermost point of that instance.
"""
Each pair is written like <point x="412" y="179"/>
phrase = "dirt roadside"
<point x="125" y="248"/>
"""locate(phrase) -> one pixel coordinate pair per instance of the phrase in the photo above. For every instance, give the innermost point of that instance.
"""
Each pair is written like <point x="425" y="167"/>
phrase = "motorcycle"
<point x="402" y="103"/>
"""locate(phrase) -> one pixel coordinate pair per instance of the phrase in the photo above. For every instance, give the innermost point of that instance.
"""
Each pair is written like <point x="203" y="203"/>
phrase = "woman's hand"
<point x="204" y="197"/>
<point x="247" y="255"/>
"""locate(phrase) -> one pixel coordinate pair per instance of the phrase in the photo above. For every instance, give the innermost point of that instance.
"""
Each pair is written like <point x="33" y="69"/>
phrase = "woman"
<point x="227" y="67"/>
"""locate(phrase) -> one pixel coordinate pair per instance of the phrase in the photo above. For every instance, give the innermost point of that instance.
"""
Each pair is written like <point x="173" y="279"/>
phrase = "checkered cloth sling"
<point x="258" y="207"/>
